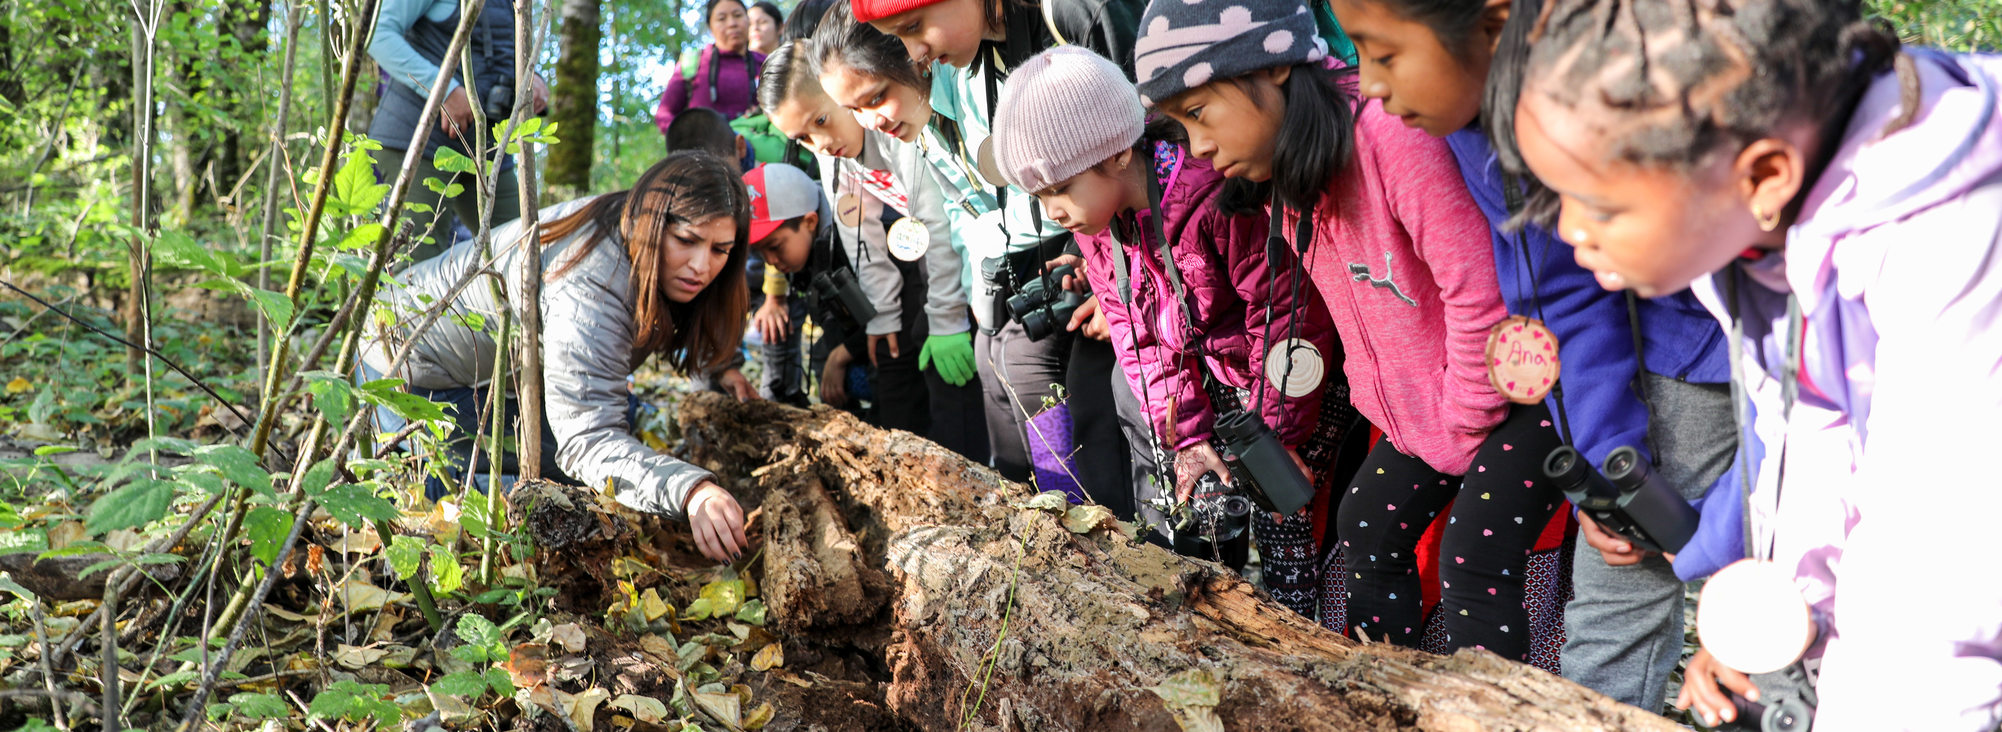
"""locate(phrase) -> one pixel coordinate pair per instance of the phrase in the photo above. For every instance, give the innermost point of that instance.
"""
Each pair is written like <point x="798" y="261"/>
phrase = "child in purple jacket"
<point x="1837" y="201"/>
<point x="1071" y="130"/>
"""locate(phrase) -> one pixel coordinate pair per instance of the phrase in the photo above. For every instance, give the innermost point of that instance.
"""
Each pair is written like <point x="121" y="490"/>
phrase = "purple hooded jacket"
<point x="1888" y="510"/>
<point x="1224" y="268"/>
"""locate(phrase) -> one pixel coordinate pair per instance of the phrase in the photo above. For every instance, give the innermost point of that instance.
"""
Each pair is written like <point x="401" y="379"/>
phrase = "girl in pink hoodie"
<point x="1402" y="256"/>
<point x="1837" y="201"/>
<point x="1073" y="133"/>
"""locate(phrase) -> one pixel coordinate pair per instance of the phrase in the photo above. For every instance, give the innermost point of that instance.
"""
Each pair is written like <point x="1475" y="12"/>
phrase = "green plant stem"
<point x="993" y="656"/>
<point x="271" y="189"/>
<point x="425" y="603"/>
<point x="310" y="230"/>
<point x="498" y="390"/>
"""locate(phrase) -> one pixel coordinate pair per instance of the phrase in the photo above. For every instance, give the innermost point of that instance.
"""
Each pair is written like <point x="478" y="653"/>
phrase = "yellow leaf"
<point x="18" y="385"/>
<point x="652" y="607"/>
<point x="582" y="707"/>
<point x="759" y="717"/>
<point x="771" y="657"/>
<point x="645" y="709"/>
<point x="724" y="596"/>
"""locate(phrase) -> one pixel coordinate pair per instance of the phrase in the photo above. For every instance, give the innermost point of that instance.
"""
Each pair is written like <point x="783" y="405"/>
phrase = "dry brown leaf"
<point x="582" y="708"/>
<point x="568" y="635"/>
<point x="66" y="533"/>
<point x="659" y="648"/>
<point x="571" y="669"/>
<point x="528" y="665"/>
<point x="361" y="596"/>
<point x="284" y="614"/>
<point x="359" y="542"/>
<point x="759" y="716"/>
<point x="358" y="657"/>
<point x="770" y="657"/>
<point x="456" y="712"/>
<point x="124" y="540"/>
<point x="645" y="709"/>
<point x="725" y="707"/>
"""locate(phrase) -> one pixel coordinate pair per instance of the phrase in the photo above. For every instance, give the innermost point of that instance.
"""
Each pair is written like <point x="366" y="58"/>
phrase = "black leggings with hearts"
<point x="1502" y="505"/>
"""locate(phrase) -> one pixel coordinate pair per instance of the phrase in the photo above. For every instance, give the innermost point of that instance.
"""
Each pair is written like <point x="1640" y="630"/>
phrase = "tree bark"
<point x="574" y="103"/>
<point x="1003" y="616"/>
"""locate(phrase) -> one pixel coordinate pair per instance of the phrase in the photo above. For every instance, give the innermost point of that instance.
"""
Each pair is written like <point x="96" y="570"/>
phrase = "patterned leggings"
<point x="1502" y="507"/>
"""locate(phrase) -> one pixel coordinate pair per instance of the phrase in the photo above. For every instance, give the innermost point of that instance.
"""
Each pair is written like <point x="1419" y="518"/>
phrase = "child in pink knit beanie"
<point x="1070" y="129"/>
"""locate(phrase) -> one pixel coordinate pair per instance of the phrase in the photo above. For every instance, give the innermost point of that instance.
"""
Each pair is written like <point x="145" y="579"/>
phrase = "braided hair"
<point x="1684" y="81"/>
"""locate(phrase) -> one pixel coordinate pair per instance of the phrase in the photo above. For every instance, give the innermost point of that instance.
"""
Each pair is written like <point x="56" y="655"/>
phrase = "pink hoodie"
<point x="1405" y="262"/>
<point x="1222" y="262"/>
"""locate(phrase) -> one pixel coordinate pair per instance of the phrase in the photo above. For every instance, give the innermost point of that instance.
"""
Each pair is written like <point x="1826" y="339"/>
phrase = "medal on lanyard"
<point x="1522" y="359"/>
<point x="909" y="239"/>
<point x="1295" y="367"/>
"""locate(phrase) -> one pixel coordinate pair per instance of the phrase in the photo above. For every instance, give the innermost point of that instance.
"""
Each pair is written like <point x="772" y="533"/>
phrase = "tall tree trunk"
<point x="142" y="152"/>
<point x="574" y="108"/>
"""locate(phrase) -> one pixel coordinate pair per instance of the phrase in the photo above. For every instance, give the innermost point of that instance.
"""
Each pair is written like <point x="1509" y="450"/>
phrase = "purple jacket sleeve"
<point x="672" y="102"/>
<point x="1159" y="382"/>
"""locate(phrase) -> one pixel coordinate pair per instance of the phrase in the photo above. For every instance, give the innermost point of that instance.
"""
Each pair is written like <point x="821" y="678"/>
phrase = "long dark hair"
<point x="861" y="47"/>
<point x="683" y="188"/>
<point x="1316" y="139"/>
<point x="771" y="11"/>
<point x="1504" y="87"/>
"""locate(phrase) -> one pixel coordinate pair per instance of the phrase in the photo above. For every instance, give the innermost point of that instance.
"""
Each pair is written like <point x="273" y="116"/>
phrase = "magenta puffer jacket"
<point x="1223" y="264"/>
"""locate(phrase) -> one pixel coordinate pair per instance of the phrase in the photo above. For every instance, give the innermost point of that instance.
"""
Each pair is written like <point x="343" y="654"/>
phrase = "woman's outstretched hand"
<point x="734" y="384"/>
<point x="718" y="522"/>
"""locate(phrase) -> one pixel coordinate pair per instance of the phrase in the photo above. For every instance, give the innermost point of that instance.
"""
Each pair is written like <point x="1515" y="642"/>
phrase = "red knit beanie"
<point x="870" y="11"/>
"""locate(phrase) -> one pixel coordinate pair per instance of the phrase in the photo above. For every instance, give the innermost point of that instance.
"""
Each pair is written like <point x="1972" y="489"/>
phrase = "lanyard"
<point x="1741" y="402"/>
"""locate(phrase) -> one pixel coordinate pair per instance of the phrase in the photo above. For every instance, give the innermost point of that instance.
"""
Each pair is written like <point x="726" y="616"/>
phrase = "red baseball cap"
<point x="869" y="11"/>
<point x="779" y="193"/>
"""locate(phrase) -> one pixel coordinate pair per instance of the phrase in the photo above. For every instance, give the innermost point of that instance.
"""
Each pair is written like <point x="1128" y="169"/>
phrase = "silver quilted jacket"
<point x="587" y="337"/>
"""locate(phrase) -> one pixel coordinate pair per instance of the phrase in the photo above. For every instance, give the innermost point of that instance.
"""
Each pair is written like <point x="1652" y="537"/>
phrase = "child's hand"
<point x="1700" y="684"/>
<point x="772" y="320"/>
<point x="1615" y="548"/>
<point x="1074" y="283"/>
<point x="1089" y="321"/>
<point x="895" y="352"/>
<point x="1190" y="464"/>
<point x="834" y="378"/>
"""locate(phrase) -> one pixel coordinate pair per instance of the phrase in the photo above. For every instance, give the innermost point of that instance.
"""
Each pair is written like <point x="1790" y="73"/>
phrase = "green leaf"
<point x="500" y="682"/>
<point x="476" y="630"/>
<point x="260" y="706"/>
<point x="354" y="702"/>
<point x="317" y="477"/>
<point x="362" y="237"/>
<point x="446" y="574"/>
<point x="173" y="679"/>
<point x="752" y="612"/>
<point x="144" y="501"/>
<point x="47" y="450"/>
<point x="473" y="518"/>
<point x="267" y="528"/>
<point x="463" y="683"/>
<point x="404" y="404"/>
<point x="355" y="187"/>
<point x="699" y="609"/>
<point x="78" y="549"/>
<point x="405" y="554"/>
<point x="724" y="596"/>
<point x="176" y="250"/>
<point x="99" y="567"/>
<point x="355" y="504"/>
<point x="470" y="654"/>
<point x="275" y="306"/>
<point x="27" y="540"/>
<point x="332" y="395"/>
<point x="240" y="466"/>
<point x="452" y="161"/>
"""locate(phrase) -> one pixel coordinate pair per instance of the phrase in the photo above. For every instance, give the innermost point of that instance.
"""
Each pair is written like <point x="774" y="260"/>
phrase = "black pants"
<point x="1105" y="458"/>
<point x="1499" y="509"/>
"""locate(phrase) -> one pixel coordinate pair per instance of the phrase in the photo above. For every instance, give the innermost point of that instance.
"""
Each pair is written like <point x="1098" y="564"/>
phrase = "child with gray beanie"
<point x="1401" y="255"/>
<point x="1071" y="131"/>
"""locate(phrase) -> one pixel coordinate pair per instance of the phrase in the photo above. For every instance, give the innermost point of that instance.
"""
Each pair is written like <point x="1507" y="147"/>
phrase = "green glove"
<point x="954" y="355"/>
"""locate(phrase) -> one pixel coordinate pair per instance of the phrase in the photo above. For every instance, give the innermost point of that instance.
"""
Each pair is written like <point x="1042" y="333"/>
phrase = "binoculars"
<point x="1259" y="464"/>
<point x="838" y="298"/>
<point x="1628" y="498"/>
<point x="499" y="102"/>
<point x="1213" y="513"/>
<point x="1043" y="307"/>
<point x="1789" y="713"/>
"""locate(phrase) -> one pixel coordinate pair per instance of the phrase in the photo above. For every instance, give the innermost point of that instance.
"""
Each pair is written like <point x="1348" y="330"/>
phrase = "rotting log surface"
<point x="1095" y="620"/>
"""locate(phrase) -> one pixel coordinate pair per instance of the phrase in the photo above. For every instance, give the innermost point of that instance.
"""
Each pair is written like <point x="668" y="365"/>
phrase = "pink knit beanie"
<point x="1063" y="111"/>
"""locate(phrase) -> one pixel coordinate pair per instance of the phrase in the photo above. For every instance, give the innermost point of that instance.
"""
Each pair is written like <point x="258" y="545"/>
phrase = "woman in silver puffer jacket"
<point x="654" y="270"/>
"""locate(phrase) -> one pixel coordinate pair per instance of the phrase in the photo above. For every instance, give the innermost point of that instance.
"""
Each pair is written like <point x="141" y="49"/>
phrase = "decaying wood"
<point x="1095" y="623"/>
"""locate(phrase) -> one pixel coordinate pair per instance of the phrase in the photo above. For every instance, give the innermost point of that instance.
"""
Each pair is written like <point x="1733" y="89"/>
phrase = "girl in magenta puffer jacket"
<point x="1072" y="131"/>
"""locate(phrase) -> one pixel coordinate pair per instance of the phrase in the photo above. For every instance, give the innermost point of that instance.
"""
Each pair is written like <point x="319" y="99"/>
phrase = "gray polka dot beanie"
<point x="1185" y="44"/>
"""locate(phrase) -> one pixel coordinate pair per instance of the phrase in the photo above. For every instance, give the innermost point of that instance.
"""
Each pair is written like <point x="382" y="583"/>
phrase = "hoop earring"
<point x="1766" y="223"/>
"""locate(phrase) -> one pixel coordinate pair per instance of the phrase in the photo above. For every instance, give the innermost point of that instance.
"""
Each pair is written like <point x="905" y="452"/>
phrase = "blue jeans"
<point x="466" y="406"/>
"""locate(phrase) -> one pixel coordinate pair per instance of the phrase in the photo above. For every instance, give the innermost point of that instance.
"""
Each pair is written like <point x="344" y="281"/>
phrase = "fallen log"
<point x="1002" y="618"/>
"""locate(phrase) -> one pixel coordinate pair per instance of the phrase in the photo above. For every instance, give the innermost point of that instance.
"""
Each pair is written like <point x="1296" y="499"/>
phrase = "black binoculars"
<point x="1043" y="307"/>
<point x="838" y="298"/>
<point x="1628" y="498"/>
<point x="1259" y="464"/>
<point x="499" y="102"/>
<point x="1214" y="512"/>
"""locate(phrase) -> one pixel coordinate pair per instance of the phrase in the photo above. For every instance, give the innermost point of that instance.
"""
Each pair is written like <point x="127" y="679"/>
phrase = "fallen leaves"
<point x="771" y="657"/>
<point x="643" y="708"/>
<point x="360" y="596"/>
<point x="18" y="385"/>
<point x="569" y="636"/>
